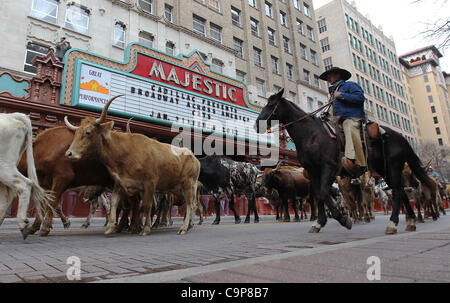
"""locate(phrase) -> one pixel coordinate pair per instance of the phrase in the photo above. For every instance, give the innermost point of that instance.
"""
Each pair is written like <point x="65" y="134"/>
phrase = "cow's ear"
<point x="107" y="128"/>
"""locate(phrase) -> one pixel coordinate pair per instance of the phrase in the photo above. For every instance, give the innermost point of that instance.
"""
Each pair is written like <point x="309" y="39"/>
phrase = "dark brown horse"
<point x="320" y="155"/>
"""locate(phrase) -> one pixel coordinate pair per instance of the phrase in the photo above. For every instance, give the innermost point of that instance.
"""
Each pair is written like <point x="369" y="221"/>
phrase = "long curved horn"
<point x="69" y="125"/>
<point x="128" y="125"/>
<point x="105" y="110"/>
<point x="428" y="164"/>
<point x="278" y="166"/>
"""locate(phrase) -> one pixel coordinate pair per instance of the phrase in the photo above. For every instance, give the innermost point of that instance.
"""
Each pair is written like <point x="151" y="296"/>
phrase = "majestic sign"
<point x="161" y="91"/>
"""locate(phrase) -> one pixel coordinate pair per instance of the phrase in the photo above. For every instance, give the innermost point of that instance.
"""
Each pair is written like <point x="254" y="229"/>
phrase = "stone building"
<point x="350" y="40"/>
<point x="429" y="92"/>
<point x="266" y="44"/>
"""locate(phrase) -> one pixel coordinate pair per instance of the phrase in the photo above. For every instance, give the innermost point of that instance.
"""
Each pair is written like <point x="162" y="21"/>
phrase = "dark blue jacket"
<point x="351" y="103"/>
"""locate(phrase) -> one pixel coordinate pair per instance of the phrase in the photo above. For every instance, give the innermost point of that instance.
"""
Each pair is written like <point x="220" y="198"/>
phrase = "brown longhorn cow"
<point x="58" y="174"/>
<point x="139" y="166"/>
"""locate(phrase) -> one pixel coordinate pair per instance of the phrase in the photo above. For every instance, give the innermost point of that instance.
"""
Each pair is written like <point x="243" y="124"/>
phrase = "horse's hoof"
<point x="182" y="232"/>
<point x="256" y="221"/>
<point x="238" y="221"/>
<point x="67" y="225"/>
<point x="110" y="230"/>
<point x="85" y="226"/>
<point x="314" y="230"/>
<point x="435" y="219"/>
<point x="286" y="220"/>
<point x="216" y="223"/>
<point x="44" y="232"/>
<point x="410" y="228"/>
<point x="297" y="220"/>
<point x="200" y="223"/>
<point x="391" y="231"/>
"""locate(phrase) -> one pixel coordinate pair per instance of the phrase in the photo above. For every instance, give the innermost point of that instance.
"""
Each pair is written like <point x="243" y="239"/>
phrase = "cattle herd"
<point x="146" y="178"/>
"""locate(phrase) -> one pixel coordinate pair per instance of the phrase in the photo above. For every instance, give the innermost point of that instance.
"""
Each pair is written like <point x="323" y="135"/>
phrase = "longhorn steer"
<point x="291" y="183"/>
<point x="225" y="177"/>
<point x="139" y="166"/>
<point x="16" y="137"/>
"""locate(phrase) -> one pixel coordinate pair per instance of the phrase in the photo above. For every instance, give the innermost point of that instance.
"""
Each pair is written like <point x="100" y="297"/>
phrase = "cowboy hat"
<point x="345" y="74"/>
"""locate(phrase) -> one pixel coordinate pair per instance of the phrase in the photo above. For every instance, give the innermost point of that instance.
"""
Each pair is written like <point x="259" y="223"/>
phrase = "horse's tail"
<point x="416" y="166"/>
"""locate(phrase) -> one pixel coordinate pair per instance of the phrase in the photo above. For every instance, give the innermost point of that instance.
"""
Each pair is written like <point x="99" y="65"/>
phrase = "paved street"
<point x="266" y="252"/>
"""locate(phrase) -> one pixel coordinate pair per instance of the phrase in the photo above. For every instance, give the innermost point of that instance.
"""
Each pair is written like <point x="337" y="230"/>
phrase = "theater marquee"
<point x="162" y="89"/>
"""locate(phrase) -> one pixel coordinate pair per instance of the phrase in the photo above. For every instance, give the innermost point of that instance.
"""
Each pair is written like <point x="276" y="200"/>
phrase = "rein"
<point x="323" y="108"/>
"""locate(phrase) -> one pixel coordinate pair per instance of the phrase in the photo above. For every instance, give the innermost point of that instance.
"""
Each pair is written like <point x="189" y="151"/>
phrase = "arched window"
<point x="119" y="35"/>
<point x="170" y="48"/>
<point x="77" y="19"/>
<point x="146" y="38"/>
<point x="45" y="9"/>
<point x="217" y="66"/>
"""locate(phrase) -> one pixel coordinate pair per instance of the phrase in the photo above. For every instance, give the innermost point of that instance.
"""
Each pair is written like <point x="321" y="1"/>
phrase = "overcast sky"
<point x="404" y="21"/>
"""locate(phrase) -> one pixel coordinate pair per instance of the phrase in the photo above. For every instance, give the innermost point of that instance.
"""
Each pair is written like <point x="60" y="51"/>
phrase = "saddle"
<point x="333" y="127"/>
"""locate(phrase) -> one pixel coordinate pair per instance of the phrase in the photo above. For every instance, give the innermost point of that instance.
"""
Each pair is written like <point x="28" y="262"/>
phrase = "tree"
<point x="439" y="30"/>
<point x="439" y="156"/>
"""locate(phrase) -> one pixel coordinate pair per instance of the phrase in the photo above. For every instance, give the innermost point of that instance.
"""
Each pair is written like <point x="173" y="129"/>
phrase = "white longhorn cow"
<point x="16" y="138"/>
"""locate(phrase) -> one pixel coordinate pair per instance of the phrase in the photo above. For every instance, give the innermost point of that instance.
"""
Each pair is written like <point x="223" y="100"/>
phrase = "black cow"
<point x="225" y="177"/>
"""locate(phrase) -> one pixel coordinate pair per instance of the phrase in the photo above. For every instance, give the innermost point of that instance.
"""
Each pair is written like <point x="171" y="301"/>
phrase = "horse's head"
<point x="270" y="112"/>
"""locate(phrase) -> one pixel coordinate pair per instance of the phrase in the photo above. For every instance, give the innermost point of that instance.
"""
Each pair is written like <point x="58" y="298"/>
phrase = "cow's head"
<point x="90" y="135"/>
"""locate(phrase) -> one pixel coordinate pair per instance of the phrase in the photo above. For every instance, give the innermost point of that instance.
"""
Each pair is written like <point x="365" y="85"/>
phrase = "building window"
<point x="438" y="130"/>
<point x="430" y="99"/>
<point x="239" y="47"/>
<point x="168" y="13"/>
<point x="441" y="142"/>
<point x="310" y="33"/>
<point x="119" y="35"/>
<point x="199" y="25"/>
<point x="257" y="57"/>
<point x="314" y="58"/>
<point x="275" y="65"/>
<point x="325" y="45"/>
<point x="241" y="76"/>
<point x="271" y="34"/>
<point x="322" y="25"/>
<point x="254" y="25"/>
<point x="236" y="17"/>
<point x="77" y="19"/>
<point x="303" y="52"/>
<point x="217" y="66"/>
<point x="253" y="3"/>
<point x="213" y="4"/>
<point x="317" y="81"/>
<point x="436" y="120"/>
<point x="310" y="103"/>
<point x="216" y="32"/>
<point x="146" y="38"/>
<point x="269" y="11"/>
<point x="428" y="89"/>
<point x="433" y="109"/>
<point x="287" y="45"/>
<point x="300" y="27"/>
<point x="261" y="87"/>
<point x="306" y="10"/>
<point x="290" y="71"/>
<point x="293" y="97"/>
<point x="32" y="51"/>
<point x="146" y="5"/>
<point x="170" y="48"/>
<point x="328" y="63"/>
<point x="283" y="19"/>
<point x="45" y="9"/>
<point x="426" y="79"/>
<point x="306" y="76"/>
<point x="297" y="4"/>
